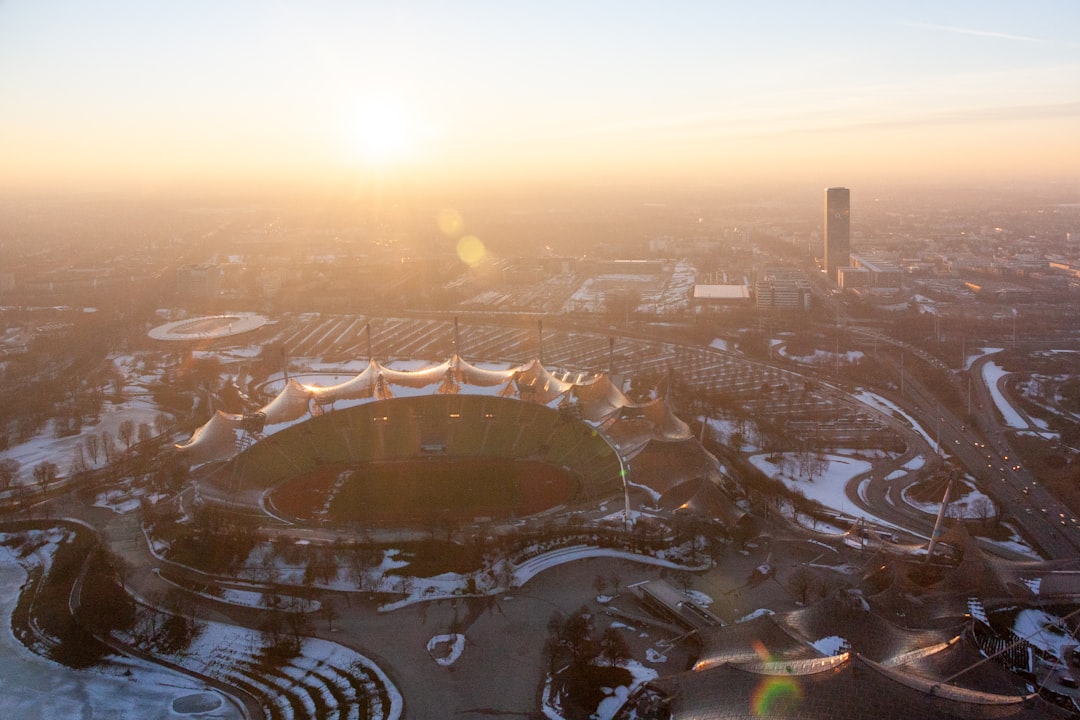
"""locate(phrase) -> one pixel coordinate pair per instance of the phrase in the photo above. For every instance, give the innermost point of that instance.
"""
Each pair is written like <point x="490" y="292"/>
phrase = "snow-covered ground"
<point x="982" y="352"/>
<point x="826" y="488"/>
<point x="35" y="688"/>
<point x="61" y="450"/>
<point x="1043" y="630"/>
<point x="991" y="374"/>
<point x="824" y="358"/>
<point x="615" y="697"/>
<point x="137" y="407"/>
<point x="890" y="408"/>
<point x="967" y="502"/>
<point x="446" y="649"/>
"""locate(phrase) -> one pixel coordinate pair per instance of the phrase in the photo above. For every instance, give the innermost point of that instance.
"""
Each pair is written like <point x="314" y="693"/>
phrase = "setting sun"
<point x="383" y="133"/>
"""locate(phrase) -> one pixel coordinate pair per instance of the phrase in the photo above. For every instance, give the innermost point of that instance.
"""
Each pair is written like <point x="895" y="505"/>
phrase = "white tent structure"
<point x="655" y="449"/>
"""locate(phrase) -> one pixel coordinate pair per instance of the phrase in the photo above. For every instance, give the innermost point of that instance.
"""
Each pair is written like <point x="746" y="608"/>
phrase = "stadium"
<point x="456" y="442"/>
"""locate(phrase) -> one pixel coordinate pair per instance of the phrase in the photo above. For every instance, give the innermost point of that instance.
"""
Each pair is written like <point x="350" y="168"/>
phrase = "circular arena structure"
<point x="209" y="327"/>
<point x="456" y="443"/>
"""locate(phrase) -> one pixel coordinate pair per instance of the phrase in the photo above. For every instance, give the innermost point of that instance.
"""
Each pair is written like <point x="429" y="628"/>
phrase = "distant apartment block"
<point x="198" y="281"/>
<point x="782" y="289"/>
<point x="837" y="225"/>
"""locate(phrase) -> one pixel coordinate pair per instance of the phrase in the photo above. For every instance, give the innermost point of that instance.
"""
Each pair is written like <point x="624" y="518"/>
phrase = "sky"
<point x="152" y="96"/>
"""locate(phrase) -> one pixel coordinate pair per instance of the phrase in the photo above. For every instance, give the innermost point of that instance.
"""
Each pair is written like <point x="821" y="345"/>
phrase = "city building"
<point x="782" y="288"/>
<point x="837" y="229"/>
<point x="198" y="280"/>
<point x="870" y="272"/>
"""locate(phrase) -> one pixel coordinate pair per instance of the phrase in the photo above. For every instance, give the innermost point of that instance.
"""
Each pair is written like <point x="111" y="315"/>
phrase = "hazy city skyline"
<point x="249" y="95"/>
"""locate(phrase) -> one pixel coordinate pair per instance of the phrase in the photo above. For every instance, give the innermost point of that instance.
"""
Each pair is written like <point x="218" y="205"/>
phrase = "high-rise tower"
<point x="837" y="229"/>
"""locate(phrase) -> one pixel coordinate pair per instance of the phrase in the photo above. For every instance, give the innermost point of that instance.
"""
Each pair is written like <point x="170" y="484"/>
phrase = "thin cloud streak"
<point x="972" y="31"/>
<point x="1004" y="113"/>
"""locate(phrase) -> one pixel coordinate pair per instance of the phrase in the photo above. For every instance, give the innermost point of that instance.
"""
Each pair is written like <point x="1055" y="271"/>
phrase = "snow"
<point x="915" y="463"/>
<point x="890" y="408"/>
<point x="992" y="373"/>
<point x="755" y="614"/>
<point x="699" y="598"/>
<point x="609" y="705"/>
<point x="831" y="645"/>
<point x="977" y="611"/>
<point x="655" y="656"/>
<point x="827" y="488"/>
<point x="46" y="446"/>
<point x="124" y="688"/>
<point x="966" y="501"/>
<point x="971" y="358"/>
<point x="1044" y="631"/>
<point x="534" y="566"/>
<point x="445" y="649"/>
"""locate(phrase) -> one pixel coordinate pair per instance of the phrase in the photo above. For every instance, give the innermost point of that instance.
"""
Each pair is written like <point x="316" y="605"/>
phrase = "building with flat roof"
<point x="718" y="296"/>
<point x="879" y="273"/>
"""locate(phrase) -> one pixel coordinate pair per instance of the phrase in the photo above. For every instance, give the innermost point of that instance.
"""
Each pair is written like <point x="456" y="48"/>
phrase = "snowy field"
<point x="35" y="688"/>
<point x="991" y="374"/>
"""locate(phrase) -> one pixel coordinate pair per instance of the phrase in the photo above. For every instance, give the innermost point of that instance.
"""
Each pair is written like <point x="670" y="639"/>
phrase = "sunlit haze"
<point x="158" y="96"/>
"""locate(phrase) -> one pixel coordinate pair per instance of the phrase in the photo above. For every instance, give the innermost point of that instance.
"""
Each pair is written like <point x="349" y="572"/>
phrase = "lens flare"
<point x="471" y="250"/>
<point x="450" y="222"/>
<point x="775" y="696"/>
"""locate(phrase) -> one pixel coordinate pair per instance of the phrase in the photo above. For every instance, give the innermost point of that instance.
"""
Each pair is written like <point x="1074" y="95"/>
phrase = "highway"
<point x="984" y="452"/>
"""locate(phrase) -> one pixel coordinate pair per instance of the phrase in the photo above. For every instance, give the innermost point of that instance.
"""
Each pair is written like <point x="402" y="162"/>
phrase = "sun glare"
<point x="383" y="133"/>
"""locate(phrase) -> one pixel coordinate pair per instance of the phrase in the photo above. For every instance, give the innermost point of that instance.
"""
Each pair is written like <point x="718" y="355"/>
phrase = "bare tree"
<point x="330" y="613"/>
<point x="613" y="645"/>
<point x="800" y="583"/>
<point x="108" y="445"/>
<point x="982" y="508"/>
<point x="145" y="433"/>
<point x="44" y="473"/>
<point x="78" y="462"/>
<point x="9" y="470"/>
<point x="92" y="447"/>
<point x="126" y="432"/>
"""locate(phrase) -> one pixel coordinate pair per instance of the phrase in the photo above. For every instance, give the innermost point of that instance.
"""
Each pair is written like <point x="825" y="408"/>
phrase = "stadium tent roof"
<point x="704" y="498"/>
<point x="360" y="387"/>
<point x="673" y="462"/>
<point x="536" y="384"/>
<point x="843" y="688"/>
<point x="648" y="433"/>
<point x="468" y="374"/>
<point x="292" y="403"/>
<point x="889" y="672"/>
<point x="599" y="400"/>
<point x="218" y="439"/>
